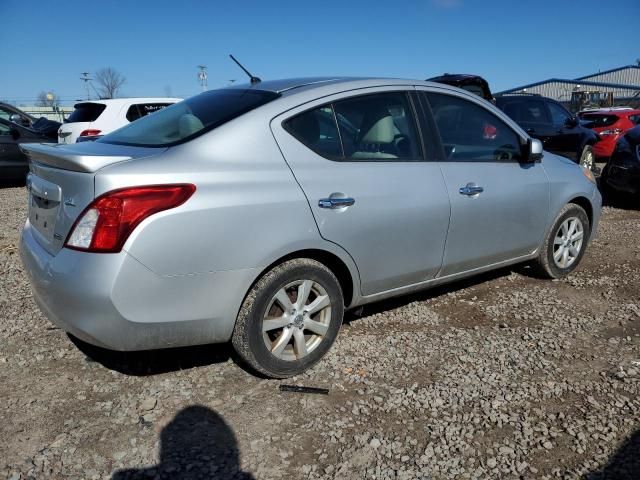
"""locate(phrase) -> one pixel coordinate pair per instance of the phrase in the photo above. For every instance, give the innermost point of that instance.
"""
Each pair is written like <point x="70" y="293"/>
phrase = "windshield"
<point x="190" y="118"/>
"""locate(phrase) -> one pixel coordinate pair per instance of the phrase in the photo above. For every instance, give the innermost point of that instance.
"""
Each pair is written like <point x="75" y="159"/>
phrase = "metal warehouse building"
<point x="619" y="86"/>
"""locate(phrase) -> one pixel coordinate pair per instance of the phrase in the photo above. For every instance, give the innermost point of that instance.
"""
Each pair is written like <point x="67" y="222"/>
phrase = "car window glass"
<point x="190" y="118"/>
<point x="559" y="116"/>
<point x="378" y="127"/>
<point x="599" y="120"/>
<point x="86" y="112"/>
<point x="4" y="129"/>
<point x="4" y="113"/>
<point x="143" y="109"/>
<point x="635" y="119"/>
<point x="317" y="130"/>
<point x="527" y="111"/>
<point x="133" y="113"/>
<point x="470" y="132"/>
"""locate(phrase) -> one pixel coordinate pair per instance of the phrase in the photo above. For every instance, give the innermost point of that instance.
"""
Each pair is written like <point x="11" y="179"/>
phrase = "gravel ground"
<point x="503" y="376"/>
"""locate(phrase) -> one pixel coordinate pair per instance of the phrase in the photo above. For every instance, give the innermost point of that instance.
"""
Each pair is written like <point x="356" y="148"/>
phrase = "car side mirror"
<point x="15" y="118"/>
<point x="572" y="122"/>
<point x="534" y="150"/>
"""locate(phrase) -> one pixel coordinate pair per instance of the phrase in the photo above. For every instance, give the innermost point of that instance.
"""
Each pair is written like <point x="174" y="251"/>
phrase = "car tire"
<point x="587" y="157"/>
<point x="552" y="261"/>
<point x="298" y="334"/>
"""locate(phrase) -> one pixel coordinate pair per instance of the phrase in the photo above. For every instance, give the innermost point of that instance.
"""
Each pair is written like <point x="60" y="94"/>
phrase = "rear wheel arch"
<point x="330" y="260"/>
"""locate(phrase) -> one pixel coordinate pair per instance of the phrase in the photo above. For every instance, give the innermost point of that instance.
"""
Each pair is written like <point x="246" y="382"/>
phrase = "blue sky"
<point x="157" y="44"/>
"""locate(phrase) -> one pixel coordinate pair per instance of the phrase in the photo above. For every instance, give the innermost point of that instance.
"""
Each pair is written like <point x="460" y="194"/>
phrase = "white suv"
<point x="92" y="119"/>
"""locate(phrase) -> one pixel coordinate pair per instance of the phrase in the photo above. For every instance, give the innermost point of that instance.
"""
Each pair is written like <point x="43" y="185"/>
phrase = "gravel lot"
<point x="504" y="376"/>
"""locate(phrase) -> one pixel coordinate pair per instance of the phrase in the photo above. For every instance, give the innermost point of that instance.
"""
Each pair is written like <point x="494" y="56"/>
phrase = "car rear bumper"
<point x="113" y="301"/>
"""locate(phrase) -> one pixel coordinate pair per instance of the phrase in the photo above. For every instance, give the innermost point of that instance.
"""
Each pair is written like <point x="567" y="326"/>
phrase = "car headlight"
<point x="589" y="174"/>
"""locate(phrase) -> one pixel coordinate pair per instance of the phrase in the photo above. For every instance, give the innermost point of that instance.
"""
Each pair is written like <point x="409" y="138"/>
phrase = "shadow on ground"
<point x="154" y="362"/>
<point x="624" y="464"/>
<point x="196" y="444"/>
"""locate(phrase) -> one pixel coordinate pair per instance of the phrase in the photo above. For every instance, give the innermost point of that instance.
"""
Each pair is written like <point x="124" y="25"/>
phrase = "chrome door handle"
<point x="471" y="189"/>
<point x="335" y="202"/>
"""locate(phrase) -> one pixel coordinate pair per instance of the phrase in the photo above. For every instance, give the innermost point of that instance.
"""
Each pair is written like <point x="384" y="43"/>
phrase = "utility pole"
<point x="86" y="79"/>
<point x="202" y="77"/>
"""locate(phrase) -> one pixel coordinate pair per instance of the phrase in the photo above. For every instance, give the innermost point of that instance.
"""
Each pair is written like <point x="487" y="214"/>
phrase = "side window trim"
<point x="430" y="129"/>
<point x="335" y="120"/>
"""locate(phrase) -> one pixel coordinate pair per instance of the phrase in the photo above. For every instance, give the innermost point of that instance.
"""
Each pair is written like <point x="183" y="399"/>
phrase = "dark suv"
<point x="548" y="121"/>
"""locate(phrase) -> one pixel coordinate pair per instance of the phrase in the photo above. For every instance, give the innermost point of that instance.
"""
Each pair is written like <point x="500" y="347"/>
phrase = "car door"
<point x="566" y="138"/>
<point x="359" y="160"/>
<point x="499" y="205"/>
<point x="13" y="162"/>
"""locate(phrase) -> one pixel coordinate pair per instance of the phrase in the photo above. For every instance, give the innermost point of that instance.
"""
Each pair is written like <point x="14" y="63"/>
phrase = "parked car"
<point x="621" y="174"/>
<point x="471" y="83"/>
<point x="610" y="124"/>
<point x="13" y="162"/>
<point x="242" y="214"/>
<point x="43" y="125"/>
<point x="92" y="119"/>
<point x="551" y="123"/>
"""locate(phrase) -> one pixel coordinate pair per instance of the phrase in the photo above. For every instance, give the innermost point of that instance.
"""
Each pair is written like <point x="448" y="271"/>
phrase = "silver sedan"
<point x="257" y="214"/>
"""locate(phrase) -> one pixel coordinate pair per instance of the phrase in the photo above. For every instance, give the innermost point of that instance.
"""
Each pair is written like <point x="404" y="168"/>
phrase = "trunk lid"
<point x="61" y="184"/>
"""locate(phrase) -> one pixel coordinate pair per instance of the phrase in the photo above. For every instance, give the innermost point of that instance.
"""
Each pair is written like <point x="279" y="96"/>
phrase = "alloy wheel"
<point x="568" y="241"/>
<point x="297" y="319"/>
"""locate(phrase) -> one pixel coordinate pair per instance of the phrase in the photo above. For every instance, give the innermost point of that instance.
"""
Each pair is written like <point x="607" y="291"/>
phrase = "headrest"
<point x="382" y="131"/>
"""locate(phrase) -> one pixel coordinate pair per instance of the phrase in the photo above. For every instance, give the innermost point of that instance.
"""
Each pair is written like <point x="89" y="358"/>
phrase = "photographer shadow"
<point x="196" y="444"/>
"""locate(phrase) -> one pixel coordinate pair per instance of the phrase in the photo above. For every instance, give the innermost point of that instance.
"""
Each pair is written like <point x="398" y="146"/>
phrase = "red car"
<point x="610" y="124"/>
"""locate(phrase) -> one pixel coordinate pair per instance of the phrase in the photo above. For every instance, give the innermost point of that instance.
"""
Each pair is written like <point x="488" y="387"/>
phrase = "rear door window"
<point x="318" y="130"/>
<point x="139" y="110"/>
<point x="86" y="112"/>
<point x="379" y="127"/>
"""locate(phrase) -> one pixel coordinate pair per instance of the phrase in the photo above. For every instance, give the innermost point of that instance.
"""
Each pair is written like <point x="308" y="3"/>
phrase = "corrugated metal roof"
<point x="624" y="82"/>
<point x="631" y="68"/>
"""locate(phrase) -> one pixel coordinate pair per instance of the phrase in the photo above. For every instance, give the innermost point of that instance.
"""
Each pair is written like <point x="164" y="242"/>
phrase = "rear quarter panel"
<point x="247" y="211"/>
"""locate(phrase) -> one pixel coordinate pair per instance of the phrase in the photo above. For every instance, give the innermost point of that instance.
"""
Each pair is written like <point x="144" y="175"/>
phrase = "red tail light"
<point x="91" y="132"/>
<point x="107" y="222"/>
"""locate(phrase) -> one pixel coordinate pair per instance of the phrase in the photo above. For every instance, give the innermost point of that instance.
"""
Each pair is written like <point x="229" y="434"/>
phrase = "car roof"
<point x="456" y="76"/>
<point x="128" y="100"/>
<point x="291" y="86"/>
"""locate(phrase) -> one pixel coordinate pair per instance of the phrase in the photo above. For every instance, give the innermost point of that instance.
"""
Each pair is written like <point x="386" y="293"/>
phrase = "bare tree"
<point x="109" y="81"/>
<point x="45" y="99"/>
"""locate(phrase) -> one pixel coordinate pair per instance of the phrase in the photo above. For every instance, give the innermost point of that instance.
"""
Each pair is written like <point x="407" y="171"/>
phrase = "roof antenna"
<point x="254" y="80"/>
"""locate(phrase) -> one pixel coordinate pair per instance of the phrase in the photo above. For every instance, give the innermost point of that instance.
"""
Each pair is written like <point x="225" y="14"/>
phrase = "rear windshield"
<point x="190" y="118"/>
<point x="599" y="120"/>
<point x="86" y="112"/>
